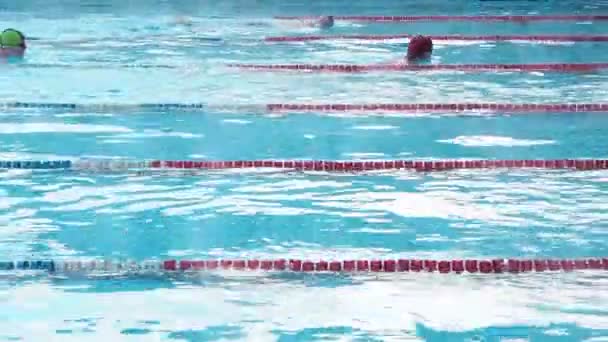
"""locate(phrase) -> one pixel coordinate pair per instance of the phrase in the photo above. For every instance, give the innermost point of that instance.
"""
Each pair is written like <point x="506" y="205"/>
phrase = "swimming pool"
<point x="110" y="58"/>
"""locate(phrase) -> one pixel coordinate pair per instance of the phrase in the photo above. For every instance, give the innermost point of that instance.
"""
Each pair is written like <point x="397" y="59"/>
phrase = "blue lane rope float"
<point x="84" y="106"/>
<point x="94" y="66"/>
<point x="36" y="164"/>
<point x="48" y="265"/>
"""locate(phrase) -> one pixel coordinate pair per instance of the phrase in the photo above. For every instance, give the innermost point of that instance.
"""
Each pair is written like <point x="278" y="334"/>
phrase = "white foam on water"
<point x="375" y="231"/>
<point x="490" y="140"/>
<point x="236" y="121"/>
<point x="364" y="155"/>
<point x="149" y="133"/>
<point x="375" y="127"/>
<point x="377" y="304"/>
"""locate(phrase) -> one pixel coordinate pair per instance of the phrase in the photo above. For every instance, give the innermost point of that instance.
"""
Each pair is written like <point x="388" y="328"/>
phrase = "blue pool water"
<point x="132" y="52"/>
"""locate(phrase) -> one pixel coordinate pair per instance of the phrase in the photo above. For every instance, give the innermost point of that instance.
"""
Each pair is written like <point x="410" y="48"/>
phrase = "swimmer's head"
<point x="11" y="38"/>
<point x="183" y="21"/>
<point x="12" y="43"/>
<point x="326" y="21"/>
<point x="420" y="47"/>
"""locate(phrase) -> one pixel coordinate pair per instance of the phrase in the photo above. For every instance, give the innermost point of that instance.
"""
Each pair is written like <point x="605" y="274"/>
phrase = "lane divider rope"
<point x="299" y="265"/>
<point x="499" y="38"/>
<point x="132" y="107"/>
<point x="321" y="108"/>
<point x="409" y="18"/>
<point x="441" y="107"/>
<point x="307" y="165"/>
<point x="93" y="66"/>
<point x="352" y="68"/>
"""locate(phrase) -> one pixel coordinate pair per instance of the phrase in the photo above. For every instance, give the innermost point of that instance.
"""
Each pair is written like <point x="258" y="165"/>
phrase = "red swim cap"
<point x="419" y="47"/>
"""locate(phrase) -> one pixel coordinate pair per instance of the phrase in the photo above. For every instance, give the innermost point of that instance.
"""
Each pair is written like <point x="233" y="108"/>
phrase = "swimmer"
<point x="188" y="24"/>
<point x="183" y="21"/>
<point x="326" y="22"/>
<point x="323" y="22"/>
<point x="419" y="48"/>
<point x="12" y="44"/>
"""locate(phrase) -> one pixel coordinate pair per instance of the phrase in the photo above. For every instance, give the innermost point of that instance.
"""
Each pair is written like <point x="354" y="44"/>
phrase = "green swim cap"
<point x="12" y="38"/>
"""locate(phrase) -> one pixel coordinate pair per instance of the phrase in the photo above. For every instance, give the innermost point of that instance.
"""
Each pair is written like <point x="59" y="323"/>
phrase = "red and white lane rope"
<point x="440" y="107"/>
<point x="499" y="38"/>
<point x="409" y="18"/>
<point x="354" y="68"/>
<point x="458" y="266"/>
<point x="349" y="166"/>
<point x="305" y="165"/>
<point x="405" y="108"/>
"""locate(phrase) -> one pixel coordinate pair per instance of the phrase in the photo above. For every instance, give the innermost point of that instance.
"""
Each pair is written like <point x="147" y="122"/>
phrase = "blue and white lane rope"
<point x="81" y="266"/>
<point x="94" y="66"/>
<point x="102" y="106"/>
<point x="136" y="107"/>
<point x="110" y="165"/>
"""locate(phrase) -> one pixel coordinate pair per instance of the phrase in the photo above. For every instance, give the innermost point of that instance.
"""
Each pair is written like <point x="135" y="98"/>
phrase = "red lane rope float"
<point x="354" y="68"/>
<point x="349" y="166"/>
<point x="315" y="165"/>
<point x="392" y="265"/>
<point x="408" y="18"/>
<point x="535" y="38"/>
<point x="441" y="107"/>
